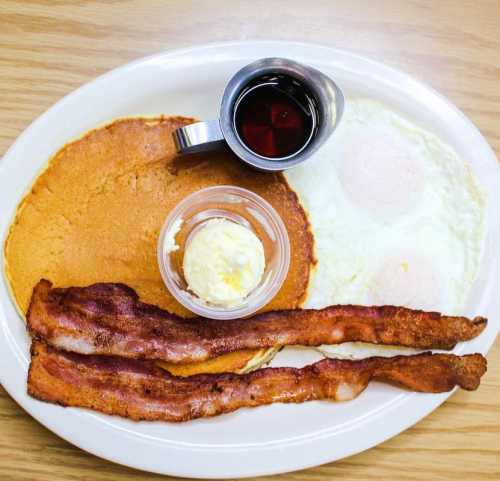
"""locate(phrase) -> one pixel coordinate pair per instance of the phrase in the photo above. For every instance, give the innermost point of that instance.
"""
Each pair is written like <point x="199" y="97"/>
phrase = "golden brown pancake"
<point x="95" y="213"/>
<point x="241" y="362"/>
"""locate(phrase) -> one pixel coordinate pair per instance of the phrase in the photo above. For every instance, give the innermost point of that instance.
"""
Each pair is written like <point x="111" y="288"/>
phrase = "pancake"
<point x="241" y="362"/>
<point x="95" y="213"/>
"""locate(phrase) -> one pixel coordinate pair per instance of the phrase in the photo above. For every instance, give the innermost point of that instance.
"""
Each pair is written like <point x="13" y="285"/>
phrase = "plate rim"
<point x="43" y="413"/>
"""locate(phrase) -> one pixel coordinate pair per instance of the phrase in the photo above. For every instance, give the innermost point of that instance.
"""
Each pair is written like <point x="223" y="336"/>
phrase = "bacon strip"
<point x="139" y="390"/>
<point x="109" y="319"/>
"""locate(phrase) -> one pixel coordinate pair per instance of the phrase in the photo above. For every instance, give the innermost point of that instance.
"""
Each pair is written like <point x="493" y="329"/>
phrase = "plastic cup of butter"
<point x="238" y="206"/>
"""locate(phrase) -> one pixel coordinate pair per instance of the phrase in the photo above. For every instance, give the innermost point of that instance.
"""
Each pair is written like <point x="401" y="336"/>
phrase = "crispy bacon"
<point x="139" y="390"/>
<point x="109" y="319"/>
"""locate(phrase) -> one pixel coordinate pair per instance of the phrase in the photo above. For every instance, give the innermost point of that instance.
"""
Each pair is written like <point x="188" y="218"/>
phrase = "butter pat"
<point x="223" y="262"/>
<point x="170" y="245"/>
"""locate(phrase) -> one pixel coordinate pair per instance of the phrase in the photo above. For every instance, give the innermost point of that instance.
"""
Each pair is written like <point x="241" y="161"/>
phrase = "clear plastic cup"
<point x="238" y="205"/>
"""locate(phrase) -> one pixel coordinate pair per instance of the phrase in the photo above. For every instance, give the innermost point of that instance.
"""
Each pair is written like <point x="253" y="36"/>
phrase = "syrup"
<point x="275" y="116"/>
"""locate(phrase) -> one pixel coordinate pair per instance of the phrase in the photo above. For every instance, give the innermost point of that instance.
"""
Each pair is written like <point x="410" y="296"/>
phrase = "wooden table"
<point x="50" y="47"/>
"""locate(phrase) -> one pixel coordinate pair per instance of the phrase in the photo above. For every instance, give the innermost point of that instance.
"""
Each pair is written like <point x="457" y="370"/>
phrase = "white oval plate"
<point x="265" y="440"/>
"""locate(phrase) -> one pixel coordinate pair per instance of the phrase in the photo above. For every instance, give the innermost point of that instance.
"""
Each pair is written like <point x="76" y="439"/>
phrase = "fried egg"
<point x="397" y="216"/>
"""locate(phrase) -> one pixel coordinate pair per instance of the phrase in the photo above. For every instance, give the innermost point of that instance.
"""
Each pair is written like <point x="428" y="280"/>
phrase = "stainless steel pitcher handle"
<point x="199" y="137"/>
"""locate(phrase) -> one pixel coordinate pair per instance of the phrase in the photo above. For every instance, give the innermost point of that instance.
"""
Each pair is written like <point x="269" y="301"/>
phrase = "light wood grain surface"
<point x="50" y="47"/>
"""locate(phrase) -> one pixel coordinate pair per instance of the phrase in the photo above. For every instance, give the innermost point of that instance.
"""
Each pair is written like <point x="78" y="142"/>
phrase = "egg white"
<point x="397" y="216"/>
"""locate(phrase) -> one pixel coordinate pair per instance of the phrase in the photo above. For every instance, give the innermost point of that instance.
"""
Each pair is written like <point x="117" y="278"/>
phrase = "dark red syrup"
<point x="275" y="117"/>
